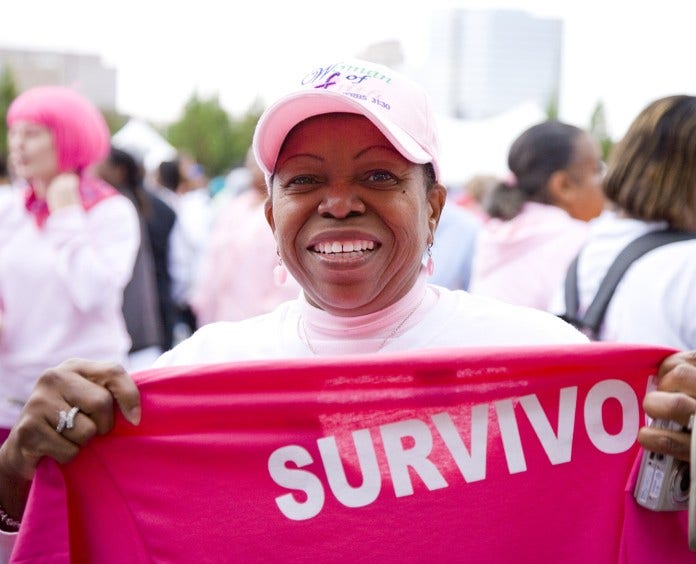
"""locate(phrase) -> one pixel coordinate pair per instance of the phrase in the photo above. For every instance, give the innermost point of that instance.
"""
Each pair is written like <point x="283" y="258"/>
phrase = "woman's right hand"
<point x="63" y="191"/>
<point x="90" y="386"/>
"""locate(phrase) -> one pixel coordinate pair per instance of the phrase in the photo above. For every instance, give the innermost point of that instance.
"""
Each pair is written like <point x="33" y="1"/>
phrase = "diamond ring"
<point x="66" y="419"/>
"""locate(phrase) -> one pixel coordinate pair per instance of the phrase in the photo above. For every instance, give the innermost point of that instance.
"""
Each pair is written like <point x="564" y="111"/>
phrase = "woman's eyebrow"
<point x="298" y="156"/>
<point x="387" y="147"/>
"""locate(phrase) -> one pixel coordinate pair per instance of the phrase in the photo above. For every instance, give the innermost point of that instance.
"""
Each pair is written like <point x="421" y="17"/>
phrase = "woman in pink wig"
<point x="68" y="242"/>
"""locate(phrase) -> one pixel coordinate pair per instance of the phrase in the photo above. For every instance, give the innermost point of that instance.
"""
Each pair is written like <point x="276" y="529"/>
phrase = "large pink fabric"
<point x="477" y="455"/>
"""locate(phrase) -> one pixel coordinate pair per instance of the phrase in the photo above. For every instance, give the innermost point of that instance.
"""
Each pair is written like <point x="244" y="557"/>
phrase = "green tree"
<point x="114" y="120"/>
<point x="598" y="130"/>
<point x="205" y="132"/>
<point x="8" y="92"/>
<point x="243" y="131"/>
<point x="552" y="107"/>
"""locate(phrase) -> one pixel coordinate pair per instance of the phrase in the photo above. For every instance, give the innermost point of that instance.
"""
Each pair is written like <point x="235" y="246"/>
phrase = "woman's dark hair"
<point x="133" y="171"/>
<point x="169" y="174"/>
<point x="652" y="170"/>
<point x="533" y="157"/>
<point x="430" y="177"/>
<point x="133" y="178"/>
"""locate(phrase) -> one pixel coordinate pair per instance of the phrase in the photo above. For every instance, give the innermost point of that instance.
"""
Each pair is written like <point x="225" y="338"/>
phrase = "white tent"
<point x="470" y="147"/>
<point x="143" y="141"/>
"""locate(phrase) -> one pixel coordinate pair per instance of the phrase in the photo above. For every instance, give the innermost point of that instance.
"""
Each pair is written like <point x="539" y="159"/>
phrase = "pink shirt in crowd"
<point x="523" y="261"/>
<point x="236" y="279"/>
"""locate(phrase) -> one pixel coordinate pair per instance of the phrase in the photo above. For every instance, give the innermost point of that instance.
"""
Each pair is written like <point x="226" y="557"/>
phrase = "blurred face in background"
<point x="585" y="173"/>
<point x="32" y="153"/>
<point x="258" y="180"/>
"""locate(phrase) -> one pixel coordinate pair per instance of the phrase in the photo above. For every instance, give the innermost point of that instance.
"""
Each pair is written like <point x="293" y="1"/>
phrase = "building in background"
<point x="83" y="72"/>
<point x="490" y="75"/>
<point x="485" y="62"/>
<point x="389" y="53"/>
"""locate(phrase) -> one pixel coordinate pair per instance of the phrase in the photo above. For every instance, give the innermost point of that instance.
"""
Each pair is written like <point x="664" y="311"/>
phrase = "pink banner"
<point x="481" y="455"/>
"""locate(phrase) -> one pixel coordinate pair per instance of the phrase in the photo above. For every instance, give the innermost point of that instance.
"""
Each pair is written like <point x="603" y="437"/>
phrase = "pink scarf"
<point x="92" y="191"/>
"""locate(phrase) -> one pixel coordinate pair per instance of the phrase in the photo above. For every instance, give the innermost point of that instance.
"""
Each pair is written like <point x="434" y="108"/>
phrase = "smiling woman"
<point x="339" y="181"/>
<point x="351" y="162"/>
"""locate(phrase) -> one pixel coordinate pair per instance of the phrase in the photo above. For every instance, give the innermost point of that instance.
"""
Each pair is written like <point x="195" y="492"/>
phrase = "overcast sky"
<point x="164" y="50"/>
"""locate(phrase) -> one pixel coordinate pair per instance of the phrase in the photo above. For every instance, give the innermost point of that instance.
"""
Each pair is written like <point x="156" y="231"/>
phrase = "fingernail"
<point x="133" y="415"/>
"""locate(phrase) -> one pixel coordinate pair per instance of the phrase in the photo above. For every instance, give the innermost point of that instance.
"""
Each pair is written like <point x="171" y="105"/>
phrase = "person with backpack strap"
<point x="634" y="280"/>
<point x="591" y="322"/>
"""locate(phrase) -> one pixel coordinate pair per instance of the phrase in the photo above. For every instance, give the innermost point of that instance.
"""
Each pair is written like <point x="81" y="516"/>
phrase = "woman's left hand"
<point x="674" y="400"/>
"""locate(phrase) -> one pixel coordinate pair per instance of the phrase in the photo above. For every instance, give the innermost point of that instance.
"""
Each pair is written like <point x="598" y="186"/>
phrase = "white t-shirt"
<point x="445" y="318"/>
<point x="655" y="302"/>
<point x="61" y="290"/>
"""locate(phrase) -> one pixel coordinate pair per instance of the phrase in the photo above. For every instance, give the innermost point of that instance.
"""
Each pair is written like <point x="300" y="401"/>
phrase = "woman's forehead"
<point x="318" y="128"/>
<point x="327" y="136"/>
<point x="27" y="125"/>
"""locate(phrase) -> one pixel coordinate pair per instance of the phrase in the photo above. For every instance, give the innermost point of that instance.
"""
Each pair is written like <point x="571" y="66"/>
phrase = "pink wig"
<point x="80" y="134"/>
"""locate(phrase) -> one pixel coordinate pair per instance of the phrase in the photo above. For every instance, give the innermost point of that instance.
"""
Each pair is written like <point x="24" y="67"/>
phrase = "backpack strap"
<point x="572" y="299"/>
<point x="594" y="315"/>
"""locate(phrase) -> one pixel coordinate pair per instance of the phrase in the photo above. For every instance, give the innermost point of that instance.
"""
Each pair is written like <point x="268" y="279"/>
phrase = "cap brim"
<point x="281" y="117"/>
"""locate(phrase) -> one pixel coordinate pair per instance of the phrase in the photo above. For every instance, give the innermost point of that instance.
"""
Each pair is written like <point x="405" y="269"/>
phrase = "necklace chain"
<point x="390" y="336"/>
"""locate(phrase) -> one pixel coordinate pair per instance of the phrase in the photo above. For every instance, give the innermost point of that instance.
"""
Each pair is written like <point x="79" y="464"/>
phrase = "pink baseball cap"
<point x="397" y="106"/>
